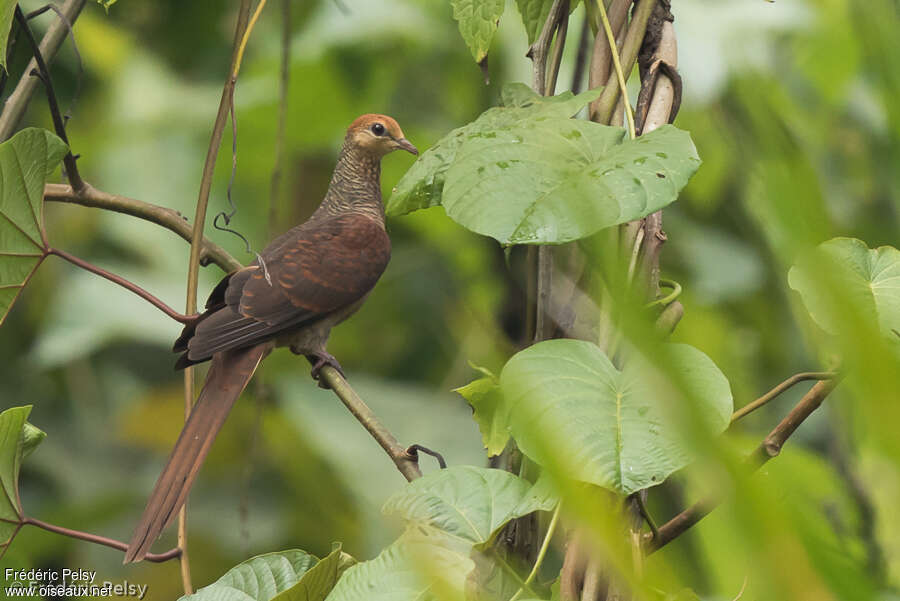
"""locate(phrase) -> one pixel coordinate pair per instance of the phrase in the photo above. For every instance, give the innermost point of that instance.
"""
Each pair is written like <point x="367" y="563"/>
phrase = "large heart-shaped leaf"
<point x="478" y="20"/>
<point x="422" y="185"/>
<point x="422" y="565"/>
<point x="18" y="438"/>
<point x="869" y="279"/>
<point x="317" y="582"/>
<point x="448" y="514"/>
<point x="259" y="578"/>
<point x="614" y="428"/>
<point x="25" y="162"/>
<point x="551" y="180"/>
<point x="467" y="502"/>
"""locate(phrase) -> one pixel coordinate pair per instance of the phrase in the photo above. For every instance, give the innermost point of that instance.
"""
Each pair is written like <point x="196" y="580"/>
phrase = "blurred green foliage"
<point x="793" y="110"/>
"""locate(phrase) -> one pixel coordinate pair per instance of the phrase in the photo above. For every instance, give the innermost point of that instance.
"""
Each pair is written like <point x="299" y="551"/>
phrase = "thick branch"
<point x="100" y="540"/>
<point x="790" y="382"/>
<point x="170" y="219"/>
<point x="770" y="447"/>
<point x="602" y="111"/>
<point x="116" y="279"/>
<point x="405" y="461"/>
<point x="18" y="101"/>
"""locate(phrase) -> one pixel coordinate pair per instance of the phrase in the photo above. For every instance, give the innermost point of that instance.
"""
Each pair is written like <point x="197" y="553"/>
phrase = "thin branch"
<point x="100" y="540"/>
<point x="538" y="51"/>
<point x="117" y="279"/>
<point x="284" y="81"/>
<point x="170" y="219"/>
<point x="581" y="57"/>
<point x="541" y="554"/>
<point x="17" y="102"/>
<point x="787" y="384"/>
<point x="770" y="447"/>
<point x="58" y="123"/>
<point x="226" y="103"/>
<point x="559" y="45"/>
<point x="642" y="507"/>
<point x="405" y="462"/>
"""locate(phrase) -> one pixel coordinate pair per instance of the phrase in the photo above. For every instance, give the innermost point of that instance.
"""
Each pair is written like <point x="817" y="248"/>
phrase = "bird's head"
<point x="378" y="135"/>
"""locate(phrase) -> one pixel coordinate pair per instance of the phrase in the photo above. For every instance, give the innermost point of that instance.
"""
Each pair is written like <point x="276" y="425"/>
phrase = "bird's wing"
<point x="315" y="269"/>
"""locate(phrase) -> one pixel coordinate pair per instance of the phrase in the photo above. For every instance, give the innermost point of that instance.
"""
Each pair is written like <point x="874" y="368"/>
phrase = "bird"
<point x="301" y="285"/>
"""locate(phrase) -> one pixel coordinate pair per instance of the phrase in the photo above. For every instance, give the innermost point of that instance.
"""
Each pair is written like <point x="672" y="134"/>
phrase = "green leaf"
<point x="422" y="565"/>
<point x="551" y="180"/>
<point x="870" y="277"/>
<point x="467" y="502"/>
<point x="259" y="578"/>
<point x="7" y="11"/>
<point x="317" y="582"/>
<point x="422" y="185"/>
<point x="615" y="428"/>
<point x="12" y="449"/>
<point x="32" y="436"/>
<point x="25" y="162"/>
<point x="478" y="20"/>
<point x="488" y="410"/>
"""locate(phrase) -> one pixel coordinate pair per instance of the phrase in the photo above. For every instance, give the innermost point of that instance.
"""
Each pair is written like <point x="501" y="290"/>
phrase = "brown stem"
<point x="538" y="50"/>
<point x="117" y="279"/>
<point x="170" y="219"/>
<point x="790" y="382"/>
<point x="58" y="123"/>
<point x="283" y="86"/>
<point x="100" y="540"/>
<point x="601" y="55"/>
<point x="17" y="102"/>
<point x="405" y="462"/>
<point x="226" y="103"/>
<point x="581" y="57"/>
<point x="770" y="447"/>
<point x="559" y="46"/>
<point x="602" y="110"/>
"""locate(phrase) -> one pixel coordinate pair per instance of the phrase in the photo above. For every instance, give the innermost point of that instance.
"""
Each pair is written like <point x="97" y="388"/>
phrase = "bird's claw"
<point x="320" y="360"/>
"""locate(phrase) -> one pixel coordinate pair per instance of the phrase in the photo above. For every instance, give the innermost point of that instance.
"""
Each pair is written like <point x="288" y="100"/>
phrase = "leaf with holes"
<point x="551" y="180"/>
<point x="467" y="502"/>
<point x="25" y="162"/>
<point x="18" y="438"/>
<point x="613" y="428"/>
<point x="478" y="20"/>
<point x="870" y="279"/>
<point x="423" y="184"/>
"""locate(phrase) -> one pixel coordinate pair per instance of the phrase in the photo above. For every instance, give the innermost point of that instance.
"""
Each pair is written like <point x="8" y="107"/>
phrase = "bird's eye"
<point x="378" y="129"/>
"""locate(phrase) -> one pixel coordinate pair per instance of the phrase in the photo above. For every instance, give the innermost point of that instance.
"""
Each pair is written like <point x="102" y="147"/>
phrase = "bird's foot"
<point x="319" y="360"/>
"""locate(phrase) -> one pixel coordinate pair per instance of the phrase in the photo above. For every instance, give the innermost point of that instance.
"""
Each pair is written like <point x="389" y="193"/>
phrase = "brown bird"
<point x="309" y="279"/>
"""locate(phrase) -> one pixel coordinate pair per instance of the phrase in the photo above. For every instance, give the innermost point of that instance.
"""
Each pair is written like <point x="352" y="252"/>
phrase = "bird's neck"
<point x="355" y="184"/>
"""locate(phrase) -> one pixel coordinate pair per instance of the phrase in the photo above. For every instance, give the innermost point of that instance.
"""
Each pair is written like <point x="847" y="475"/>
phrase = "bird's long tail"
<point x="228" y="376"/>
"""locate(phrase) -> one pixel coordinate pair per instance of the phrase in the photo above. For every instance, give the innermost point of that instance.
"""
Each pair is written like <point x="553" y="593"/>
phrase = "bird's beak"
<point x="407" y="146"/>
